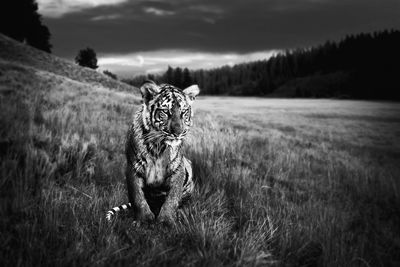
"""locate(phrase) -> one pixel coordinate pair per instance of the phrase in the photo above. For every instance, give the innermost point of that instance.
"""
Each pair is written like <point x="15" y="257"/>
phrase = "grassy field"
<point x="278" y="182"/>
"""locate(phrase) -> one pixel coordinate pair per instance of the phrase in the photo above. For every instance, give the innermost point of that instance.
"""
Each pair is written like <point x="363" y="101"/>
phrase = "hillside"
<point x="42" y="65"/>
<point x="57" y="122"/>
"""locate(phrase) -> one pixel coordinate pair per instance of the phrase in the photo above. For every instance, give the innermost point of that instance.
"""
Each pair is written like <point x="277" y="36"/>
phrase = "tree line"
<point x="363" y="66"/>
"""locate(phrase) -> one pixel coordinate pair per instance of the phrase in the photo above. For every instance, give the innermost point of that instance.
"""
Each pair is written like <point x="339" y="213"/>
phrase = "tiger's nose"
<point x="176" y="127"/>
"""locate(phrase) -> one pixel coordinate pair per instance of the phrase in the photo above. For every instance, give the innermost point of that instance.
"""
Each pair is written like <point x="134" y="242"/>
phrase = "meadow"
<point x="278" y="182"/>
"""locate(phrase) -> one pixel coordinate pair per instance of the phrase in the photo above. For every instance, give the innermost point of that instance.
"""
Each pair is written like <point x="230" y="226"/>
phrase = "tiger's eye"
<point x="164" y="113"/>
<point x="161" y="115"/>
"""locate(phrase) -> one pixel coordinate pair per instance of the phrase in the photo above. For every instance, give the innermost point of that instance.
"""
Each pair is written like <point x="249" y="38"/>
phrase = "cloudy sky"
<point x="136" y="36"/>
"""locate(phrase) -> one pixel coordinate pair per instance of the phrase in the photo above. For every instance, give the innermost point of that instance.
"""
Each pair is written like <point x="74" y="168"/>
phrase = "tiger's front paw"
<point x="146" y="216"/>
<point x="166" y="218"/>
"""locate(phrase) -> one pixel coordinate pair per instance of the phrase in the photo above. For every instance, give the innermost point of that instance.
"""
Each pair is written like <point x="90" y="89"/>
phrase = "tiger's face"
<point x="167" y="110"/>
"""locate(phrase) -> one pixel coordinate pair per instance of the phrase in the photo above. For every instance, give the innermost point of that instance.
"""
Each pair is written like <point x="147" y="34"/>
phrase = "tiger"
<point x="159" y="178"/>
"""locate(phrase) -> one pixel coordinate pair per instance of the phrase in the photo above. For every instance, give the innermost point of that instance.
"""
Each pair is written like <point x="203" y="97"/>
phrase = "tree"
<point x="169" y="75"/>
<point x="19" y="20"/>
<point x="187" y="79"/>
<point x="177" y="81"/>
<point x="110" y="74"/>
<point x="151" y="77"/>
<point x="87" y="58"/>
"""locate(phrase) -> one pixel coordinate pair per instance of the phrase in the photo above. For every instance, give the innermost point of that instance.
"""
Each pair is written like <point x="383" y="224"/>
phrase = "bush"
<point x="110" y="74"/>
<point x="87" y="58"/>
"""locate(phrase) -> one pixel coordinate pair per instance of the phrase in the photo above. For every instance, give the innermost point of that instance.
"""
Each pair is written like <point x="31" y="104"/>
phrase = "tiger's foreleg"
<point x="140" y="206"/>
<point x="168" y="210"/>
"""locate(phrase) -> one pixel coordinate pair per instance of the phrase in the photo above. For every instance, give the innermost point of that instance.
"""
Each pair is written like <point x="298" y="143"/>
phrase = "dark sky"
<point x="134" y="36"/>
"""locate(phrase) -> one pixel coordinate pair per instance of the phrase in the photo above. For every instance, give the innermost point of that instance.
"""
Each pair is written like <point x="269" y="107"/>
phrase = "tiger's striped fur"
<point x="188" y="188"/>
<point x="159" y="177"/>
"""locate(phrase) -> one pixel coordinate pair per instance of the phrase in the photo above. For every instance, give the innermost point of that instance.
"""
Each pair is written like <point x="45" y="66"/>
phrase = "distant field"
<point x="279" y="182"/>
<point x="344" y="126"/>
<point x="326" y="172"/>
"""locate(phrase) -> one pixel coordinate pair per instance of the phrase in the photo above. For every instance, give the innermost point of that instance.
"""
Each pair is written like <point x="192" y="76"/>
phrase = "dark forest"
<point x="362" y="66"/>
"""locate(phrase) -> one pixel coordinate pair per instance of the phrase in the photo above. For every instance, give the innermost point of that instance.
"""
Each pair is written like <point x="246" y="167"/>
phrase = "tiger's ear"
<point x="149" y="89"/>
<point x="192" y="91"/>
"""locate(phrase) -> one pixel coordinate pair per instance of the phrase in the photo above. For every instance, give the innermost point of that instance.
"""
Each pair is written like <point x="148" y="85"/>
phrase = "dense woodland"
<point x="362" y="66"/>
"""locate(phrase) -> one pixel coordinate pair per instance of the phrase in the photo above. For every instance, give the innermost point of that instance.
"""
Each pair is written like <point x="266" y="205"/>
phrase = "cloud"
<point x="213" y="9"/>
<point x="157" y="11"/>
<point x="106" y="17"/>
<point x="58" y="8"/>
<point x="156" y="61"/>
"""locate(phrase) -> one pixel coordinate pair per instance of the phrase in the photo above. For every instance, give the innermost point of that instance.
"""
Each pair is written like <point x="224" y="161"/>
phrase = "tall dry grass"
<point x="282" y="183"/>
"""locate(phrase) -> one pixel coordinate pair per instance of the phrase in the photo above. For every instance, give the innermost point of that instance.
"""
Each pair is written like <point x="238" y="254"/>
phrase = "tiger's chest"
<point x="158" y="168"/>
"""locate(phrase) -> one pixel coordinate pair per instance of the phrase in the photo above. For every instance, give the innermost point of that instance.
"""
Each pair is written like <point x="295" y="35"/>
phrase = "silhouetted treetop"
<point x="19" y="20"/>
<point x="87" y="58"/>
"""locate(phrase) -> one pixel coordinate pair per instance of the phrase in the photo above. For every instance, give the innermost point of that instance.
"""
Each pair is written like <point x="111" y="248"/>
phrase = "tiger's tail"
<point x="112" y="212"/>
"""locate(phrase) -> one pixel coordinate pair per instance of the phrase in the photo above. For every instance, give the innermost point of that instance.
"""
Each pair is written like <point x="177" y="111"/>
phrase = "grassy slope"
<point x="278" y="182"/>
<point x="18" y="53"/>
